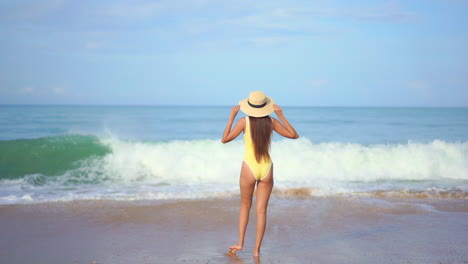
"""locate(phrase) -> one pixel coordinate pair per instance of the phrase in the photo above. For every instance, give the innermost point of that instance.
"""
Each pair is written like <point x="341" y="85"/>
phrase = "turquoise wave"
<point x="51" y="156"/>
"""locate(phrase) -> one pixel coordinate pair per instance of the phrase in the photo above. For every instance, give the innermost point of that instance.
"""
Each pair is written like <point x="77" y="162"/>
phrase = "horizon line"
<point x="201" y="105"/>
<point x="188" y="105"/>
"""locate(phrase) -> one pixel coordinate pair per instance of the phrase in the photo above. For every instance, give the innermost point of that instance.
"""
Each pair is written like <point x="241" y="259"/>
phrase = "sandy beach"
<point x="300" y="230"/>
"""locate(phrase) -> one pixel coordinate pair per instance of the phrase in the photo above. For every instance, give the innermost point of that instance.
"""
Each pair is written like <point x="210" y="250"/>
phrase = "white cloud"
<point x="137" y="10"/>
<point x="287" y="22"/>
<point x="59" y="90"/>
<point x="270" y="20"/>
<point x="174" y="9"/>
<point x="264" y="41"/>
<point x="93" y="45"/>
<point x="26" y="90"/>
<point x="389" y="12"/>
<point x="423" y="87"/>
<point x="304" y="17"/>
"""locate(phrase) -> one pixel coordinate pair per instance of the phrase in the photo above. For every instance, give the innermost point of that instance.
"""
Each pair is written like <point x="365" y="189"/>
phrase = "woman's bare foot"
<point x="256" y="252"/>
<point x="233" y="250"/>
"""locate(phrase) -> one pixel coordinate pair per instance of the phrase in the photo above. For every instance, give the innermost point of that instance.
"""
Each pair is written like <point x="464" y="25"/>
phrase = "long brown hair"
<point x="260" y="131"/>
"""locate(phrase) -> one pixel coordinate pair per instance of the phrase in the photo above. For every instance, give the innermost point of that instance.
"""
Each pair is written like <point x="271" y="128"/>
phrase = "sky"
<point x="214" y="52"/>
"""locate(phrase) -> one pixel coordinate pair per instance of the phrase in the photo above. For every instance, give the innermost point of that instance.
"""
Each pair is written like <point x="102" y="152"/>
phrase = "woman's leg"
<point x="264" y="188"/>
<point x="247" y="185"/>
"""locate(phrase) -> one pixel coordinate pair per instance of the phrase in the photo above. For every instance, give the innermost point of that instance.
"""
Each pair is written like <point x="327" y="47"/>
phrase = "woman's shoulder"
<point x="243" y="120"/>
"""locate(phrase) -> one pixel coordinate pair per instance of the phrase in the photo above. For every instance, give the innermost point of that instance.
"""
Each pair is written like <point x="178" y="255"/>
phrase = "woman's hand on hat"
<point x="234" y="110"/>
<point x="277" y="109"/>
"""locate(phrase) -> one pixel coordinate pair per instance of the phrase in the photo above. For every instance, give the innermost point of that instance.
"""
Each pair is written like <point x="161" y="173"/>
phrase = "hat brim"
<point x="257" y="112"/>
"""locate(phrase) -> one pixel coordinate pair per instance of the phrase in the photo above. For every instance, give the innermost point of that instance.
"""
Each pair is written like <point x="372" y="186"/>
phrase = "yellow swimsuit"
<point x="259" y="170"/>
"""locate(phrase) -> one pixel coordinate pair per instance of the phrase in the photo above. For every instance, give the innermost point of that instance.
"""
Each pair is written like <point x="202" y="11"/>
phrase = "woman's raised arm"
<point x="229" y="134"/>
<point x="285" y="128"/>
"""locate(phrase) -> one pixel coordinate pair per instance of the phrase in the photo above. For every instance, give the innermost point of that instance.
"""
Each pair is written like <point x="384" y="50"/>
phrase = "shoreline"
<point x="301" y="230"/>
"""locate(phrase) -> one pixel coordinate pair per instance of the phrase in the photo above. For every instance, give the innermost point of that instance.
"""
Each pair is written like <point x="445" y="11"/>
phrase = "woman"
<point x="257" y="167"/>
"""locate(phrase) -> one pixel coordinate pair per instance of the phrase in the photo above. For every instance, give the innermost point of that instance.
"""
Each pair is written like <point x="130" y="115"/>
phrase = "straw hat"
<point x="257" y="105"/>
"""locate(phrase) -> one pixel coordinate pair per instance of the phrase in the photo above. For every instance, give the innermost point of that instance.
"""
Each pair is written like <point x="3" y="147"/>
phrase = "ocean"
<point x="67" y="153"/>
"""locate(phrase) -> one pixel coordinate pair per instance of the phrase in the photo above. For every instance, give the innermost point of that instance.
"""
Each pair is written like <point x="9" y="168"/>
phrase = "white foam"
<point x="297" y="161"/>
<point x="207" y="168"/>
<point x="180" y="162"/>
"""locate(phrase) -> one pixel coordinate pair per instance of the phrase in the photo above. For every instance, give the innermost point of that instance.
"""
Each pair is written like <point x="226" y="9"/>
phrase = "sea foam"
<point x="300" y="161"/>
<point x="133" y="170"/>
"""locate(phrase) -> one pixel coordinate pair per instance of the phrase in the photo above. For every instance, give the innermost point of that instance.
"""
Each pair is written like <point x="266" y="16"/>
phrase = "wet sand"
<point x="299" y="230"/>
